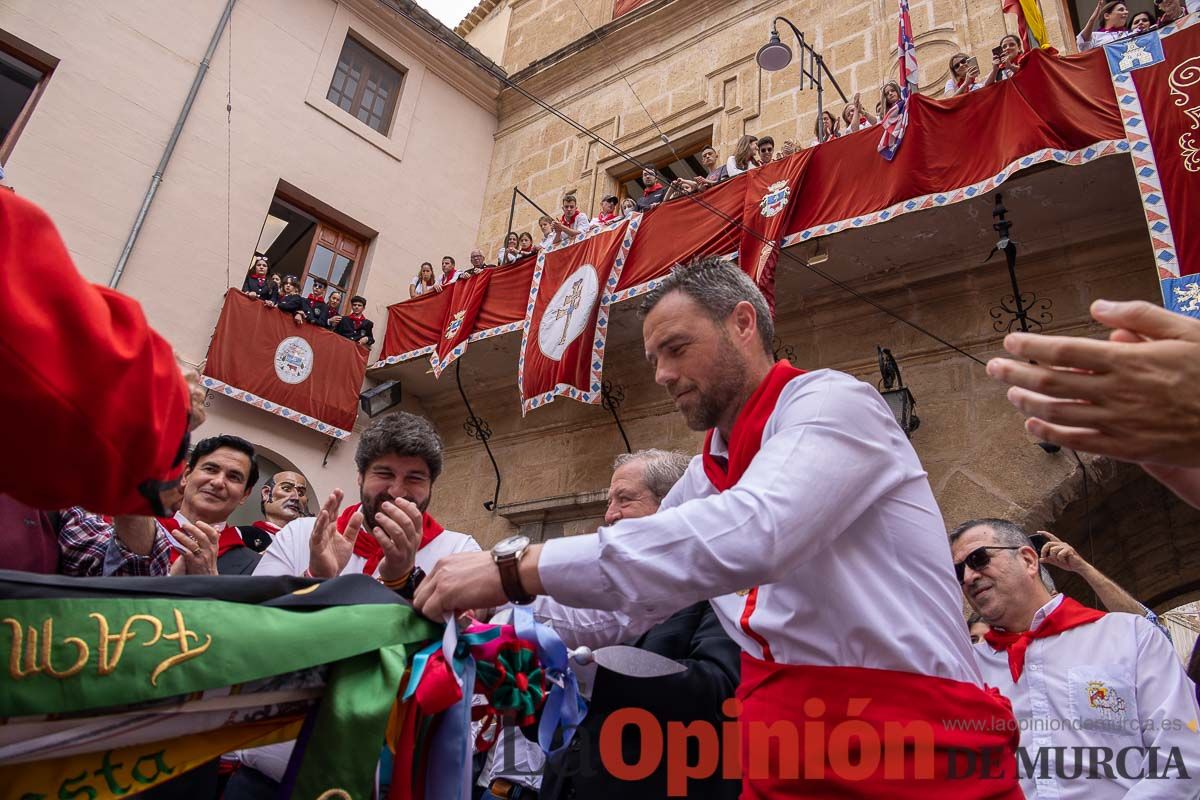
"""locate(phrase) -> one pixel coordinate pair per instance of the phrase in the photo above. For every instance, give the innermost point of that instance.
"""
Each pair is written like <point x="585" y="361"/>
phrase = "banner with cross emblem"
<point x="462" y="309"/>
<point x="566" y="319"/>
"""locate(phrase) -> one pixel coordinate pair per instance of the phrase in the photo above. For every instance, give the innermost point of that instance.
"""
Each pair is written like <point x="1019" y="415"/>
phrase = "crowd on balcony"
<point x="328" y="312"/>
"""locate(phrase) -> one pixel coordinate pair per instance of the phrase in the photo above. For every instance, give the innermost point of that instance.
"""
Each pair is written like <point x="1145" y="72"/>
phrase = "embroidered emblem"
<point x="1187" y="298"/>
<point x="455" y="324"/>
<point x="1105" y="700"/>
<point x="1130" y="54"/>
<point x="568" y="312"/>
<point x="775" y="199"/>
<point x="293" y="360"/>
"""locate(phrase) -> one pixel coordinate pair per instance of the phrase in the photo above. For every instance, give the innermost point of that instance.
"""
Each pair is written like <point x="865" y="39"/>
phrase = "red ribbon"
<point x="1069" y="614"/>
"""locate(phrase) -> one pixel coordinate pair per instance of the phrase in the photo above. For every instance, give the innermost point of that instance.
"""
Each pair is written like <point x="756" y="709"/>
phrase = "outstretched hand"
<point x="329" y="550"/>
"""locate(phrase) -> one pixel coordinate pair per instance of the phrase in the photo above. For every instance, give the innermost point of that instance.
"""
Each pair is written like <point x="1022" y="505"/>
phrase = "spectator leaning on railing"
<point x="510" y="251"/>
<point x="423" y="282"/>
<point x="745" y="156"/>
<point x="525" y="244"/>
<point x="258" y="284"/>
<point x="290" y="302"/>
<point x="334" y="305"/>
<point x="608" y="210"/>
<point x="855" y="118"/>
<point x="964" y="75"/>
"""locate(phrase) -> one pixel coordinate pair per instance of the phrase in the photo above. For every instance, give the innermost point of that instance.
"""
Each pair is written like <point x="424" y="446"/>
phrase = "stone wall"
<point x="688" y="69"/>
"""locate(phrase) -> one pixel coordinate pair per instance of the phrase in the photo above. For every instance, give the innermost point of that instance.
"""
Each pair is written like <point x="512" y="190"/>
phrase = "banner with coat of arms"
<point x="1156" y="77"/>
<point x="566" y="319"/>
<point x="303" y="373"/>
<point x="772" y="197"/>
<point x="462" y="310"/>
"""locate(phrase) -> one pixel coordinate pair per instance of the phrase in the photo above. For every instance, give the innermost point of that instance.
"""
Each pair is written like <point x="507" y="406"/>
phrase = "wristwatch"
<point x="409" y="587"/>
<point x="507" y="555"/>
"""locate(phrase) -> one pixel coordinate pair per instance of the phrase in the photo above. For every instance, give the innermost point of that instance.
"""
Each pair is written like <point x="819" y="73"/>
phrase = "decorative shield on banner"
<point x="566" y="320"/>
<point x="304" y="373"/>
<point x="772" y="195"/>
<point x="462" y="310"/>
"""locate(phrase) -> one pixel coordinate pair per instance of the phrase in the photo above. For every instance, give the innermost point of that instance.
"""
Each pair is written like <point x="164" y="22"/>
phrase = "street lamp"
<point x="775" y="55"/>
<point x="900" y="400"/>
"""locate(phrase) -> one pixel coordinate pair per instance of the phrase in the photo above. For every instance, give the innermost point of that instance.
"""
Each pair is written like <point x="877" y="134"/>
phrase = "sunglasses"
<point x="977" y="559"/>
<point x="958" y="64"/>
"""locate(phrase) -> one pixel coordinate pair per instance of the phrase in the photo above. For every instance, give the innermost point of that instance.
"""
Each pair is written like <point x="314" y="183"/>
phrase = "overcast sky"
<point x="450" y="12"/>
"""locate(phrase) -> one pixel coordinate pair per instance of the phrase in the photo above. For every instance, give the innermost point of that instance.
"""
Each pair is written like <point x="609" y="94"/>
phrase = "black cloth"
<point x="266" y="290"/>
<point x="693" y="637"/>
<point x="345" y="327"/>
<point x="291" y="303"/>
<point x="646" y="201"/>
<point x="250" y="784"/>
<point x="317" y="312"/>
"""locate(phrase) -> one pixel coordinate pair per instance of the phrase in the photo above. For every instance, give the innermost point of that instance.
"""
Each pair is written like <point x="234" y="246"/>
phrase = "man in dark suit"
<point x="693" y="637"/>
<point x="354" y="325"/>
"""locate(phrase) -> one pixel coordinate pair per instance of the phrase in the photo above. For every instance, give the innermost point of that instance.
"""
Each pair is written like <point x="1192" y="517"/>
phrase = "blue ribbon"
<point x="563" y="706"/>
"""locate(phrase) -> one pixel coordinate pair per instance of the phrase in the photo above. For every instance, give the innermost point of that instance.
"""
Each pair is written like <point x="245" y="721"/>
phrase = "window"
<point x="669" y="168"/>
<point x="365" y="86"/>
<point x="297" y="243"/>
<point x="22" y="79"/>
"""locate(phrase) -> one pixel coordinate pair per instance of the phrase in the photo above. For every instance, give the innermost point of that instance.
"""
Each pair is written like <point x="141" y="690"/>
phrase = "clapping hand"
<point x="329" y="549"/>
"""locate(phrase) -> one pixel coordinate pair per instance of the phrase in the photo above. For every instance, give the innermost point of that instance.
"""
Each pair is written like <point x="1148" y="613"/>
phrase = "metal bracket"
<point x="478" y="429"/>
<point x="612" y="395"/>
<point x="1019" y="309"/>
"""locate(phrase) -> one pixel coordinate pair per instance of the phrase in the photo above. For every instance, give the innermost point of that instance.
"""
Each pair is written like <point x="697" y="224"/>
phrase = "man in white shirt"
<point x="1103" y="705"/>
<point x="389" y="534"/>
<point x="810" y="522"/>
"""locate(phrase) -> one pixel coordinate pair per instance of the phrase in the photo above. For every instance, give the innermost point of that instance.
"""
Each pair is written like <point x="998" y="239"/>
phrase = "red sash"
<point x="934" y="735"/>
<point x="366" y="546"/>
<point x="270" y="528"/>
<point x="745" y="439"/>
<point x="1069" y="614"/>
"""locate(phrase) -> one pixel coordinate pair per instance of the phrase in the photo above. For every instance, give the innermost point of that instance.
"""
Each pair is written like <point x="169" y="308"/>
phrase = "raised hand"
<point x="328" y="549"/>
<point x="397" y="528"/>
<point x="199" y="541"/>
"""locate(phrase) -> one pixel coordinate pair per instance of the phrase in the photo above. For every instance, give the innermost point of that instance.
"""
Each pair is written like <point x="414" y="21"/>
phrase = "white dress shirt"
<point x="834" y="521"/>
<point x="1110" y="684"/>
<point x="288" y="555"/>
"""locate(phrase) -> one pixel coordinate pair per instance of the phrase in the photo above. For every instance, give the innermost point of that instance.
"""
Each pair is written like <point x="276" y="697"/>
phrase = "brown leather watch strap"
<point x="510" y="581"/>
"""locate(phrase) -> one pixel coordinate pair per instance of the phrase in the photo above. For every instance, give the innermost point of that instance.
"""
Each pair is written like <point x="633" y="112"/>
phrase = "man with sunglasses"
<point x="1104" y="707"/>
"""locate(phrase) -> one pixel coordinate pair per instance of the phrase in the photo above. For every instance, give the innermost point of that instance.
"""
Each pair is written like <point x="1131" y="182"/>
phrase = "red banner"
<point x="462" y="310"/>
<point x="304" y="373"/>
<point x="772" y="197"/>
<point x="1169" y="92"/>
<point x="562" y="351"/>
<point x="625" y="6"/>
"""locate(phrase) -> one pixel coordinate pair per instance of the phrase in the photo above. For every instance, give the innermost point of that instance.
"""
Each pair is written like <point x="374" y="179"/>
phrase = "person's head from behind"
<point x="546" y="223"/>
<point x="746" y="152"/>
<point x="709" y="158"/>
<point x="335" y="300"/>
<point x="1141" y="22"/>
<point x="766" y="148"/>
<point x="831" y="127"/>
<point x="977" y="628"/>
<point x="999" y="571"/>
<point x="890" y="95"/>
<point x="1010" y="47"/>
<point x="608" y="204"/>
<point x="358" y="304"/>
<point x="221" y="472"/>
<point x="476" y="258"/>
<point x="525" y="241"/>
<point x="426" y="273"/>
<point x="640" y="481"/>
<point x="398" y="455"/>
<point x="284" y="497"/>
<point x="1113" y="16"/>
<point x="707" y="329"/>
<point x="447" y="265"/>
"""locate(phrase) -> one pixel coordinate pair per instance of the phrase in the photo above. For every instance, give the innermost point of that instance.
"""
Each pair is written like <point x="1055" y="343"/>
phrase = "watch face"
<point x="510" y="546"/>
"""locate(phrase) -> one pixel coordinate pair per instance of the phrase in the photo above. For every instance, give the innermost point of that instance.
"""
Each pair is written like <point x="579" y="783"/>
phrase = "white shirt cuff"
<point x="570" y="569"/>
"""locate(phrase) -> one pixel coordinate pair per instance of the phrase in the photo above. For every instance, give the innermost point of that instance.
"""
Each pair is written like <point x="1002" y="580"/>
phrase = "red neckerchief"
<point x="746" y="436"/>
<point x="230" y="538"/>
<point x="366" y="546"/>
<point x="603" y="218"/>
<point x="312" y="298"/>
<point x="1069" y="614"/>
<point x="447" y="277"/>
<point x="269" y="527"/>
<point x="357" y="319"/>
<point x="570" y="223"/>
<point x="745" y="439"/>
<point x="653" y="188"/>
